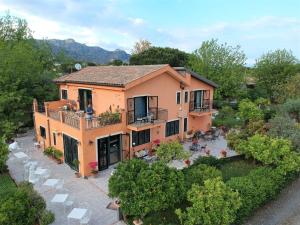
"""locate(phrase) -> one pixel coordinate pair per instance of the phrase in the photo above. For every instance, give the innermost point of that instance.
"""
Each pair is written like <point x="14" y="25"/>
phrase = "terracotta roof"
<point x="108" y="75"/>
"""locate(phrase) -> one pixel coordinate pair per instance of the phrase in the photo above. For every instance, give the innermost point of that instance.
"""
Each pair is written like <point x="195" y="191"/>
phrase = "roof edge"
<point x="91" y="83"/>
<point x="197" y="76"/>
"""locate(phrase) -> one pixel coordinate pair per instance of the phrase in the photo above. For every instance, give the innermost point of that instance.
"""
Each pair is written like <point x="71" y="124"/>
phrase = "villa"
<point x="133" y="108"/>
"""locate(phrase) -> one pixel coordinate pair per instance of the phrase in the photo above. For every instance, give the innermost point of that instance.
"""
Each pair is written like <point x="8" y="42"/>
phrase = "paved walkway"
<point x="91" y="193"/>
<point x="285" y="210"/>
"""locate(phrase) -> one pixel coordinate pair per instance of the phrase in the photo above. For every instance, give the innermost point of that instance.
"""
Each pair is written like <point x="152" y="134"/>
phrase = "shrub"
<point x="208" y="160"/>
<point x="199" y="173"/>
<point x="213" y="203"/>
<point x="143" y="188"/>
<point x="47" y="217"/>
<point x="49" y="151"/>
<point x="236" y="169"/>
<point x="255" y="189"/>
<point x="24" y="207"/>
<point x="248" y="110"/>
<point x="3" y="155"/>
<point x="171" y="150"/>
<point x="292" y="107"/>
<point x="226" y="117"/>
<point x="57" y="154"/>
<point x="285" y="127"/>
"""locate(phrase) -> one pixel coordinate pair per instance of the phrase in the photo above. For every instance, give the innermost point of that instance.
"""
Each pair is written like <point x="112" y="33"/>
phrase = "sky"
<point x="258" y="26"/>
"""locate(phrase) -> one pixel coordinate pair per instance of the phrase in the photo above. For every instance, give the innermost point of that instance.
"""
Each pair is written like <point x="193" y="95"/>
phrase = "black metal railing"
<point x="201" y="106"/>
<point x="153" y="115"/>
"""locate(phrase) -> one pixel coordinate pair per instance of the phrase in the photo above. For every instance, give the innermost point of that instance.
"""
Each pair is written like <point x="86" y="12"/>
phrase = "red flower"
<point x="93" y="165"/>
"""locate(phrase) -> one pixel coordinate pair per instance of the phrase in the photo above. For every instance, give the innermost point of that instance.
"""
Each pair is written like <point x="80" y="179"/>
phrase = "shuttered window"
<point x="43" y="132"/>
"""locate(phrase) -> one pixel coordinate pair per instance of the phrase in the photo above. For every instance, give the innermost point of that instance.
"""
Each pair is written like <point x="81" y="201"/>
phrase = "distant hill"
<point x="82" y="52"/>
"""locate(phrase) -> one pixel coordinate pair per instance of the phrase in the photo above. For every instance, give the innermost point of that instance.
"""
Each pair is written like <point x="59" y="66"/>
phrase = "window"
<point x="64" y="94"/>
<point x="185" y="124"/>
<point x="43" y="132"/>
<point x="172" y="128"/>
<point x="186" y="97"/>
<point x="54" y="139"/>
<point x="140" y="137"/>
<point x="178" y="97"/>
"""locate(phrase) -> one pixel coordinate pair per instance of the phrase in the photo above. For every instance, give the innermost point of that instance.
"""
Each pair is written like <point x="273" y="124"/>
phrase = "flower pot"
<point x="77" y="175"/>
<point x="137" y="222"/>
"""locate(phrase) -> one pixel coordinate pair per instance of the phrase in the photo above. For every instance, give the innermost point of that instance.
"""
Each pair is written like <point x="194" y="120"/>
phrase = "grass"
<point x="7" y="186"/>
<point x="237" y="168"/>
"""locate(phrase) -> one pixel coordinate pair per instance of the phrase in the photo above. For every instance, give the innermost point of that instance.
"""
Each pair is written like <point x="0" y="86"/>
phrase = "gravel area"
<point x="285" y="210"/>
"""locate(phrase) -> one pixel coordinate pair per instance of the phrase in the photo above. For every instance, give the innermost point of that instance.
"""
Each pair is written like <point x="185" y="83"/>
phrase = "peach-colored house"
<point x="132" y="107"/>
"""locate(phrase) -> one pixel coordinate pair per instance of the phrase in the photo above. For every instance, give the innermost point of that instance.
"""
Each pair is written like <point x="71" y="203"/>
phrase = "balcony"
<point x="61" y="111"/>
<point x="154" y="118"/>
<point x="201" y="108"/>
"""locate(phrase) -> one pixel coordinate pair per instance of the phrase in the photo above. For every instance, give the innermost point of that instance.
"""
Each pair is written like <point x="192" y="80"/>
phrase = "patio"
<point x="58" y="185"/>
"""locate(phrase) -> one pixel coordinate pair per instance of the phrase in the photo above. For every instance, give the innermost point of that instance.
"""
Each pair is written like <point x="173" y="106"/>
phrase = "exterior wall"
<point x="103" y="97"/>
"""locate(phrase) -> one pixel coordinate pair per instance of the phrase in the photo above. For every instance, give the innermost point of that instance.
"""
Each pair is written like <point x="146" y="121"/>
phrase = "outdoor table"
<point x="20" y="155"/>
<point x="40" y="171"/>
<point x="51" y="182"/>
<point x="77" y="214"/>
<point x="59" y="198"/>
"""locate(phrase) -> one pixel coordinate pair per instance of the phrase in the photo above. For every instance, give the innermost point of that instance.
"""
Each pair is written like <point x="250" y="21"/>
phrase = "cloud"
<point x="136" y="21"/>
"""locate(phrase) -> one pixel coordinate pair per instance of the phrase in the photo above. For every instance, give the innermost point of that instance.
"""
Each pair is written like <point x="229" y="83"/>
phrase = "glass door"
<point x="114" y="149"/>
<point x="140" y="107"/>
<point x="70" y="151"/>
<point x="103" y="153"/>
<point x="198" y="96"/>
<point x="85" y="98"/>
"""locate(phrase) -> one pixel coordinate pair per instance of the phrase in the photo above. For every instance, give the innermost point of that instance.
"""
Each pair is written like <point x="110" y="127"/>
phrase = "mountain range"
<point x="84" y="53"/>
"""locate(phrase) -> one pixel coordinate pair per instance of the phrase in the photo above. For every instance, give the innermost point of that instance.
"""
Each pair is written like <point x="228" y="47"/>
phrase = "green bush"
<point x="248" y="110"/>
<point x="49" y="151"/>
<point x="292" y="107"/>
<point x="55" y="153"/>
<point x="236" y="169"/>
<point x="3" y="155"/>
<point x="214" y="203"/>
<point x="47" y="217"/>
<point x="208" y="160"/>
<point x="255" y="189"/>
<point x="171" y="150"/>
<point x="24" y="207"/>
<point x="199" y="173"/>
<point x="226" y="117"/>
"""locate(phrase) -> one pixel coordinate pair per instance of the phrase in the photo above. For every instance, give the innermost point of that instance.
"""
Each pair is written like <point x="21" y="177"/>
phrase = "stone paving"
<point x="87" y="193"/>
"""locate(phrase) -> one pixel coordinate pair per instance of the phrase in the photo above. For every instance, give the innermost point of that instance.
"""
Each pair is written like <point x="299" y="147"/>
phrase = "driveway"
<point x="87" y="193"/>
<point x="285" y="210"/>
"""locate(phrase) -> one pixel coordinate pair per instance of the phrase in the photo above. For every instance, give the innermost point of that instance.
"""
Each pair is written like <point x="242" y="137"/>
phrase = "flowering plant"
<point x="93" y="166"/>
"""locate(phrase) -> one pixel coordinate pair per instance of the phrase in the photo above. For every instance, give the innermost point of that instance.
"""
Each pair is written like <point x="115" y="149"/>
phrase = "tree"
<point x="249" y="111"/>
<point x="222" y="63"/>
<point x="211" y="204"/>
<point x="3" y="155"/>
<point x="171" y="150"/>
<point x="140" y="46"/>
<point x="274" y="69"/>
<point x="158" y="55"/>
<point x="289" y="90"/>
<point x="26" y="70"/>
<point x="143" y="188"/>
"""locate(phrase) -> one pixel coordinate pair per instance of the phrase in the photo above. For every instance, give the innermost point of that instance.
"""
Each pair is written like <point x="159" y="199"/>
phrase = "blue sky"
<point x="257" y="25"/>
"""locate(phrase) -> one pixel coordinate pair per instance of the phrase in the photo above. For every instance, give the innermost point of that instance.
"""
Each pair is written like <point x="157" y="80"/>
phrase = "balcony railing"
<point x="203" y="106"/>
<point x="153" y="115"/>
<point x="53" y="114"/>
<point x="105" y="119"/>
<point x="71" y="119"/>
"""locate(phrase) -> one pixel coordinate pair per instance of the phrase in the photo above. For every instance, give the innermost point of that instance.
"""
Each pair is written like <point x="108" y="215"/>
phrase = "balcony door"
<point x="140" y="107"/>
<point x="198" y="101"/>
<point x="85" y="98"/>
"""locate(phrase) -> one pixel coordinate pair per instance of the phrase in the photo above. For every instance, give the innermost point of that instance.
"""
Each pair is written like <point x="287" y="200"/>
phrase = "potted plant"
<point x="94" y="170"/>
<point x="76" y="164"/>
<point x="57" y="155"/>
<point x="223" y="153"/>
<point x="187" y="162"/>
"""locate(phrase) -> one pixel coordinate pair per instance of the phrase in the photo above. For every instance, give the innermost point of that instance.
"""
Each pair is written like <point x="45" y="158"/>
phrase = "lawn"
<point x="237" y="168"/>
<point x="7" y="186"/>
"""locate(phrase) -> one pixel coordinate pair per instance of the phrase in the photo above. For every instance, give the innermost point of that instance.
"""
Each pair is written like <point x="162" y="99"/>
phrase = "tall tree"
<point x="140" y="46"/>
<point x="222" y="63"/>
<point x="158" y="55"/>
<point x="273" y="70"/>
<point x="26" y="70"/>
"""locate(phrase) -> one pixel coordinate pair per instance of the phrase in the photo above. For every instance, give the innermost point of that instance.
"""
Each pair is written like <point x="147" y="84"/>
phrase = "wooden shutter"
<point x="192" y="100"/>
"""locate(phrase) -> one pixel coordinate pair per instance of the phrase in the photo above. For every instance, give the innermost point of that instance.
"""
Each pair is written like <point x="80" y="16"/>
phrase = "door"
<point x="103" y="153"/>
<point x="109" y="151"/>
<point x="198" y="99"/>
<point x="70" y="151"/>
<point x="85" y="98"/>
<point x="140" y="107"/>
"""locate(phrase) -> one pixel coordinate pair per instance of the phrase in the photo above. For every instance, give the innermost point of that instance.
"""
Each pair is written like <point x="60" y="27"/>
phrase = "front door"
<point x="109" y="151"/>
<point x="70" y="151"/>
<point x="85" y="98"/>
<point x="140" y="107"/>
